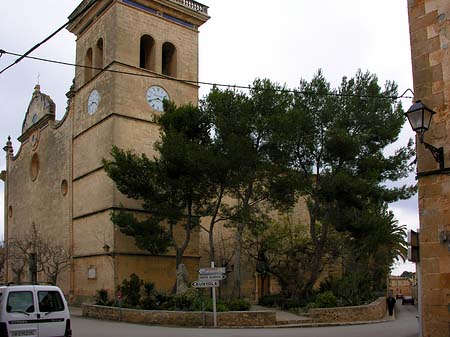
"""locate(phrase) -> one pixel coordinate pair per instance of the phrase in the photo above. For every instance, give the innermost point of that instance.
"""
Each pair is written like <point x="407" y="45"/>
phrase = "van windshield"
<point x="50" y="301"/>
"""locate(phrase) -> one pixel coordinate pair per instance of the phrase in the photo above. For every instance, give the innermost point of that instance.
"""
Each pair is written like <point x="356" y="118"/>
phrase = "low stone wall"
<point x="371" y="312"/>
<point x="180" y="318"/>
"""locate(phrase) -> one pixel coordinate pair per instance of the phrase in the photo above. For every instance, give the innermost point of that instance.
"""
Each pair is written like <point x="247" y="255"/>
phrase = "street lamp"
<point x="419" y="116"/>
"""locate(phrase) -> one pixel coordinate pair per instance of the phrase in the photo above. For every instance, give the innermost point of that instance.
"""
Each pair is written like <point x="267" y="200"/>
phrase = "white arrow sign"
<point x="206" y="271"/>
<point x="212" y="277"/>
<point x="205" y="284"/>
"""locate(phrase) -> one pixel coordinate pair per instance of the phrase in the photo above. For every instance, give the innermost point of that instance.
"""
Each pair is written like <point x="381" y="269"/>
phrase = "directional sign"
<point x="212" y="277"/>
<point x="205" y="284"/>
<point x="206" y="271"/>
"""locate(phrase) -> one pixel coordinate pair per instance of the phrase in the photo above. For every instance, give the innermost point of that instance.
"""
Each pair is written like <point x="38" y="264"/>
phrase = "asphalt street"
<point x="406" y="325"/>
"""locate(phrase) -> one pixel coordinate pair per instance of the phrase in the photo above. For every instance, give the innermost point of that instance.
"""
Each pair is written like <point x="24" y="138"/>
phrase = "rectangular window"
<point x="50" y="301"/>
<point x="20" y="301"/>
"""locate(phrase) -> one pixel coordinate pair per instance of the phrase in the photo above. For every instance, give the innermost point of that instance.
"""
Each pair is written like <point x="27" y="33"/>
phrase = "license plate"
<point x="23" y="333"/>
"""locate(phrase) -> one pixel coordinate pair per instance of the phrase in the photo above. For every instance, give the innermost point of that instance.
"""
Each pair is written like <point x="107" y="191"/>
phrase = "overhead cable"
<point x="230" y="86"/>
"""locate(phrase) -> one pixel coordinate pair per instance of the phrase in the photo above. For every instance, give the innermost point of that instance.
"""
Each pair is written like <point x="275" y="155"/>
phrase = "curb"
<point x="302" y="325"/>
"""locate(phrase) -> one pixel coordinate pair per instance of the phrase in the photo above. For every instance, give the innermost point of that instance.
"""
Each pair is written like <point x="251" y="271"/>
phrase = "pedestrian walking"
<point x="390" y="301"/>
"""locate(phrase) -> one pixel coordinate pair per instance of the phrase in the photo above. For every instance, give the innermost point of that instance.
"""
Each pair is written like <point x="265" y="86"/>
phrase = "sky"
<point x="283" y="40"/>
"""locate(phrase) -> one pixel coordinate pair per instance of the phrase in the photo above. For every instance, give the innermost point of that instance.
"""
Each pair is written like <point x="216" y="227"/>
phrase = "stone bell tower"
<point x="135" y="54"/>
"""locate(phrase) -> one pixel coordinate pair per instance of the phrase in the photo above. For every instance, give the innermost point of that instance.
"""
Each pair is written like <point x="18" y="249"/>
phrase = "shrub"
<point x="101" y="297"/>
<point x="239" y="305"/>
<point x="326" y="300"/>
<point x="206" y="304"/>
<point x="149" y="301"/>
<point x="269" y="300"/>
<point x="181" y="301"/>
<point x="290" y="303"/>
<point x="131" y="291"/>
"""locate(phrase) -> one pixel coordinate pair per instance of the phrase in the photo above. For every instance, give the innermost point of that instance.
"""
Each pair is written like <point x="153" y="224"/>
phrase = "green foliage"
<point x="264" y="149"/>
<point x="352" y="289"/>
<point x="149" y="300"/>
<point x="182" y="301"/>
<point x="238" y="305"/>
<point x="101" y="298"/>
<point x="270" y="300"/>
<point x="326" y="300"/>
<point x="131" y="291"/>
<point x="148" y="234"/>
<point x="336" y="146"/>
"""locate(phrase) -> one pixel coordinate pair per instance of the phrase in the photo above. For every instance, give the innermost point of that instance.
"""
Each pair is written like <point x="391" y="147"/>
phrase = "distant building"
<point x="400" y="286"/>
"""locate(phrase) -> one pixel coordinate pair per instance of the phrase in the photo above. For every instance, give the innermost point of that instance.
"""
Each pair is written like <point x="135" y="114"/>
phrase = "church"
<point x="132" y="54"/>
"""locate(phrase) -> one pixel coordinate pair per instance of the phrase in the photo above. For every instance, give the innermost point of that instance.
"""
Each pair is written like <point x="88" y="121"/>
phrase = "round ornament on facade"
<point x="155" y="97"/>
<point x="34" y="167"/>
<point x="64" y="187"/>
<point x="93" y="102"/>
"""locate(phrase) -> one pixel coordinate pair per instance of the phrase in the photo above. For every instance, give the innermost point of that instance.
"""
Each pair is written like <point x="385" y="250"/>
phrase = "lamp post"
<point x="419" y="116"/>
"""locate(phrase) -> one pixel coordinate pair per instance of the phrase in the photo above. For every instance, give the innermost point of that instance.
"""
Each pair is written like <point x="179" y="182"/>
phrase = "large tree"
<point x="172" y="185"/>
<point x="336" y="140"/>
<point x="221" y="150"/>
<point x="256" y="181"/>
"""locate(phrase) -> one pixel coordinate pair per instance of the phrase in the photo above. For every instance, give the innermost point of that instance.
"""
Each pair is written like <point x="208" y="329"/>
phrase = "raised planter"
<point x="180" y="318"/>
<point x="371" y="312"/>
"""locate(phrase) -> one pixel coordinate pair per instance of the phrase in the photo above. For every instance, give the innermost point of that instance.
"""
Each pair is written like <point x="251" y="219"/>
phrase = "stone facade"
<point x="400" y="286"/>
<point x="429" y="22"/>
<point x="56" y="180"/>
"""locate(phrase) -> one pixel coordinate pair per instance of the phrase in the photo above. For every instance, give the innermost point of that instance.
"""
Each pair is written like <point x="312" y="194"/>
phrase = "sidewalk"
<point x="283" y="317"/>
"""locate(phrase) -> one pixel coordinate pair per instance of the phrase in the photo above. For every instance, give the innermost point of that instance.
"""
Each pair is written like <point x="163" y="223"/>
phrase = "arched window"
<point x="88" y="64"/>
<point x="98" y="55"/>
<point x="147" y="53"/>
<point x="169" y="59"/>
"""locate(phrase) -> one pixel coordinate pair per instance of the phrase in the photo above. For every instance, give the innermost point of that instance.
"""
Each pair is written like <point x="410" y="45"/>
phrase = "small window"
<point x="50" y="301"/>
<point x="88" y="65"/>
<point x="147" y="57"/>
<point x="20" y="301"/>
<point x="99" y="56"/>
<point x="169" y="59"/>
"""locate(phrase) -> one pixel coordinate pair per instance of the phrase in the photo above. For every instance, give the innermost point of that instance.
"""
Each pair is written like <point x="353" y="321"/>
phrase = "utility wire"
<point x="48" y="37"/>
<point x="229" y="86"/>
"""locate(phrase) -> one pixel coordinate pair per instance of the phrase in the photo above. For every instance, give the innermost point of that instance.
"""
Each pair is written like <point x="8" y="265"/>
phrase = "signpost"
<point x="205" y="284"/>
<point x="212" y="270"/>
<point x="209" y="278"/>
<point x="218" y="277"/>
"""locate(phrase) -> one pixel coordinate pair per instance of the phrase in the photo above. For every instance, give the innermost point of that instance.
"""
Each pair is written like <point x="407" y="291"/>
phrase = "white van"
<point x="34" y="311"/>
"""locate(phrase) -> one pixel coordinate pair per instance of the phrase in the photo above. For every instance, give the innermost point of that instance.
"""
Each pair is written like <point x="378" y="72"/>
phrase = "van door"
<point x="52" y="313"/>
<point x="21" y="315"/>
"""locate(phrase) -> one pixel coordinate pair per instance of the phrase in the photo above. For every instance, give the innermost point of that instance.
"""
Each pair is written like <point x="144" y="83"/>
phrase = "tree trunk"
<point x="236" y="293"/>
<point x="212" y="248"/>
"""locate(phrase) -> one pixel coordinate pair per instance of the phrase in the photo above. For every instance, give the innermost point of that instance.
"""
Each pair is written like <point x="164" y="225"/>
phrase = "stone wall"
<point x="371" y="312"/>
<point x="181" y="318"/>
<point x="429" y="22"/>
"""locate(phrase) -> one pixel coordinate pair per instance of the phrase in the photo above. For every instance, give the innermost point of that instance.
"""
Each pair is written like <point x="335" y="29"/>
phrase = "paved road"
<point x="404" y="326"/>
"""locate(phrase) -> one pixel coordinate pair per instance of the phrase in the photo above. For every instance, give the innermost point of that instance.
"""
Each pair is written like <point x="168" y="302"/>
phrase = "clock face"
<point x="93" y="101"/>
<point x="155" y="97"/>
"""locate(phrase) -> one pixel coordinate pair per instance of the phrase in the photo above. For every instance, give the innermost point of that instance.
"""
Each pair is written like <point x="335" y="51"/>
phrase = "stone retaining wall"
<point x="371" y="312"/>
<point x="180" y="318"/>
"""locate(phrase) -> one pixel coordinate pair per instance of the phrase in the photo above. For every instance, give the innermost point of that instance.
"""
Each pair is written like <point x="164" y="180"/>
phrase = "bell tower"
<point x="133" y="54"/>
